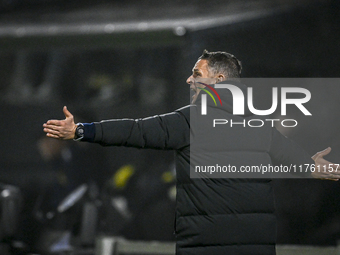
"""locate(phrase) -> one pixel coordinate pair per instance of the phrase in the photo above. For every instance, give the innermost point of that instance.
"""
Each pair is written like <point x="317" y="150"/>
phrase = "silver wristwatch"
<point x="79" y="133"/>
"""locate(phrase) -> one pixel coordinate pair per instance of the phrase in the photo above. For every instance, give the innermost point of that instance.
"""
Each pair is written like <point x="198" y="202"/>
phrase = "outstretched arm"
<point x="165" y="131"/>
<point x="325" y="169"/>
<point x="61" y="129"/>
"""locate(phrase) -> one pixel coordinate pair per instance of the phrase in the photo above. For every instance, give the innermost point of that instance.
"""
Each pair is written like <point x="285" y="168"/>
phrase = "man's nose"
<point x="190" y="79"/>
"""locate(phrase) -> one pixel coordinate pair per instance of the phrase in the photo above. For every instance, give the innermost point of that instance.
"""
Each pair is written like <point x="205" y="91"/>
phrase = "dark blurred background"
<point x="113" y="59"/>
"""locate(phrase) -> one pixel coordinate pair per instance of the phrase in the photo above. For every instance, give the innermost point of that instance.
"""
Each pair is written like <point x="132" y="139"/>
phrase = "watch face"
<point x="80" y="131"/>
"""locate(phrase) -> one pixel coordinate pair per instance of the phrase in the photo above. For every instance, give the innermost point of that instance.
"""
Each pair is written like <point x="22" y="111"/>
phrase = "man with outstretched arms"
<point x="213" y="215"/>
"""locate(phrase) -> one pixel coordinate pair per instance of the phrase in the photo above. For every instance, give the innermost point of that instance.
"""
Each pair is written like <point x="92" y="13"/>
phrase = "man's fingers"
<point x="324" y="152"/>
<point x="326" y="176"/>
<point x="51" y="126"/>
<point x="67" y="113"/>
<point x="52" y="135"/>
<point x="330" y="175"/>
<point x="53" y="122"/>
<point x="51" y="131"/>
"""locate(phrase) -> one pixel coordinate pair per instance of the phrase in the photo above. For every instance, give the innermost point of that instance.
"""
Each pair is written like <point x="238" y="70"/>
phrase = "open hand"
<point x="61" y="129"/>
<point x="325" y="169"/>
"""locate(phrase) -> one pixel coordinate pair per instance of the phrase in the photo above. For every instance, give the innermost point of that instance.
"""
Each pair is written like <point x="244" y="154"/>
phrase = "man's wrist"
<point x="79" y="132"/>
<point x="84" y="132"/>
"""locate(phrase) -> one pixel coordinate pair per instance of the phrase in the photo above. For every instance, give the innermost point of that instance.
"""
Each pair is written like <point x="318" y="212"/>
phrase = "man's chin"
<point x="194" y="98"/>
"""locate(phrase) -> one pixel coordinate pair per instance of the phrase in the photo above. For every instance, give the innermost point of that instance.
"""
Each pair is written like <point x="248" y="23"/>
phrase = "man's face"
<point x="200" y="73"/>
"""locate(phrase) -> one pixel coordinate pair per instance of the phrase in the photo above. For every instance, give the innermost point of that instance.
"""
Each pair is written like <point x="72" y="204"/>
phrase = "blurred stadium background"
<point x="111" y="59"/>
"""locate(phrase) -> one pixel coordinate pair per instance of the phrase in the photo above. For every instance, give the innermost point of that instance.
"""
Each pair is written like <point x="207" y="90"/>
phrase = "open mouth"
<point x="193" y="87"/>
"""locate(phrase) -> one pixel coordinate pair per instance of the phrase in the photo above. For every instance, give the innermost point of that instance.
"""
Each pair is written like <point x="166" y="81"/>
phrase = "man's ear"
<point x="220" y="77"/>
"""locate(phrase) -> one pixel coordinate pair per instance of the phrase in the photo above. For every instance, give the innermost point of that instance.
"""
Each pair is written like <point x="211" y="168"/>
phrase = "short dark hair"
<point x="222" y="62"/>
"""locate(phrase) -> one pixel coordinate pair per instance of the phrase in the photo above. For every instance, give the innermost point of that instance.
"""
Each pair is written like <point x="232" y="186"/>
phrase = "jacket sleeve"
<point x="286" y="152"/>
<point x="167" y="131"/>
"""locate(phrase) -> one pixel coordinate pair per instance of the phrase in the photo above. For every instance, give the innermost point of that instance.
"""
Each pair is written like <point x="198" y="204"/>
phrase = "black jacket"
<point x="213" y="215"/>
